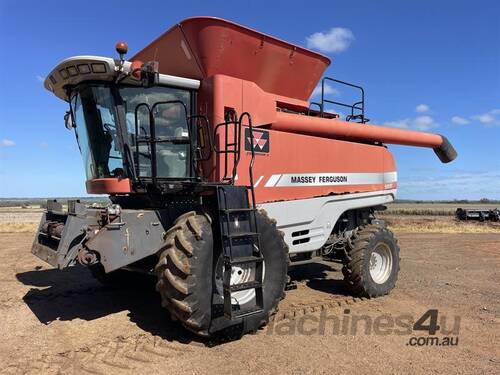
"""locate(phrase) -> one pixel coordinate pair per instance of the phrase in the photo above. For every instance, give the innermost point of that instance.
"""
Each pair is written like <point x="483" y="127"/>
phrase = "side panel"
<point x="307" y="223"/>
<point x="60" y="252"/>
<point x="138" y="234"/>
<point x="301" y="166"/>
<point x="290" y="166"/>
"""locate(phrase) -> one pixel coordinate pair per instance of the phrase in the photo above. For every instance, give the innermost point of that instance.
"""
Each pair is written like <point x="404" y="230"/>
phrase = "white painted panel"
<point x="321" y="212"/>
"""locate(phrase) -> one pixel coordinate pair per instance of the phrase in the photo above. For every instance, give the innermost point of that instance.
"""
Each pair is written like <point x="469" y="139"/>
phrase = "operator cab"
<point x="132" y="124"/>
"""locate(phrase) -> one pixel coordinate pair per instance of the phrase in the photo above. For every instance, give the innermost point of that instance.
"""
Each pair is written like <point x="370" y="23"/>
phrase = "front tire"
<point x="186" y="276"/>
<point x="371" y="265"/>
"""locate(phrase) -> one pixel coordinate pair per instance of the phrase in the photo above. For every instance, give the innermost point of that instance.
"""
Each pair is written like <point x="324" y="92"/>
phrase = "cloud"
<point x="337" y="39"/>
<point x="459" y="120"/>
<point x="329" y="90"/>
<point x="458" y="184"/>
<point x="402" y="124"/>
<point x="40" y="79"/>
<point x="342" y="115"/>
<point x="489" y="118"/>
<point x="423" y="123"/>
<point x="422" y="108"/>
<point x="7" y="143"/>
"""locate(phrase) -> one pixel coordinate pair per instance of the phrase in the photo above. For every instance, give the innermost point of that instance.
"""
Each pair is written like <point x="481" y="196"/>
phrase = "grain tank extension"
<point x="222" y="175"/>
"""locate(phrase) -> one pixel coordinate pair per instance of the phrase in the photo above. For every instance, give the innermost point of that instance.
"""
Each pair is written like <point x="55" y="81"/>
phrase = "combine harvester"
<point x="222" y="175"/>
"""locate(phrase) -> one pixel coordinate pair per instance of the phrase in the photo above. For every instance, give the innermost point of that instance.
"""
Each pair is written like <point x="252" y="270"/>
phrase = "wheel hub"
<point x="380" y="263"/>
<point x="239" y="275"/>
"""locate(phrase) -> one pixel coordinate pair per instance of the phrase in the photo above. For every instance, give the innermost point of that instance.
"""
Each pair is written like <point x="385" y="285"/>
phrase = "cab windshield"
<point x="156" y="130"/>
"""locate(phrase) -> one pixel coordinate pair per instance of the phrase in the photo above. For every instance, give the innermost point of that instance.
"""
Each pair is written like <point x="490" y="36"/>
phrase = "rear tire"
<point x="186" y="280"/>
<point x="371" y="265"/>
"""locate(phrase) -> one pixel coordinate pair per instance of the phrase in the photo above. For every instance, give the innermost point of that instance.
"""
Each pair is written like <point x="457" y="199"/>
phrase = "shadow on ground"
<point x="324" y="277"/>
<point x="74" y="294"/>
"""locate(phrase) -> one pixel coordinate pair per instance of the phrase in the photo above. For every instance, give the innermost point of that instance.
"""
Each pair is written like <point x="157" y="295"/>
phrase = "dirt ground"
<point x="66" y="322"/>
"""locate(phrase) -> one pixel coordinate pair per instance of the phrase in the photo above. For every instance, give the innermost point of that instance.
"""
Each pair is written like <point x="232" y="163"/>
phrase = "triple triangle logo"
<point x="260" y="140"/>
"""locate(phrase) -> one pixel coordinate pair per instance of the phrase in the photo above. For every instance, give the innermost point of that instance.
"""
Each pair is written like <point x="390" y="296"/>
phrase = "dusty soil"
<point x="65" y="322"/>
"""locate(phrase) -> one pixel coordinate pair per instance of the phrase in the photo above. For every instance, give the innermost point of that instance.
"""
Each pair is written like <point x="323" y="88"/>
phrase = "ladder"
<point x="240" y="239"/>
<point x="240" y="248"/>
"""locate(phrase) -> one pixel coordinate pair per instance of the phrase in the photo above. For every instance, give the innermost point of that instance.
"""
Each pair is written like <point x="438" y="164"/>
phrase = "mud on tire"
<point x="371" y="264"/>
<point x="184" y="271"/>
<point x="186" y="283"/>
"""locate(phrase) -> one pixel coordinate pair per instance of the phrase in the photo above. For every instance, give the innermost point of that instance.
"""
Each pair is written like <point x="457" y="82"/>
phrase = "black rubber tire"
<point x="275" y="253"/>
<point x="186" y="280"/>
<point x="184" y="271"/>
<point x="356" y="268"/>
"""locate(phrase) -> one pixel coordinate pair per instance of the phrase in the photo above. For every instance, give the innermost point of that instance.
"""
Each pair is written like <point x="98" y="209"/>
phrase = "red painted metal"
<point x="201" y="47"/>
<point x="350" y="131"/>
<point x="108" y="186"/>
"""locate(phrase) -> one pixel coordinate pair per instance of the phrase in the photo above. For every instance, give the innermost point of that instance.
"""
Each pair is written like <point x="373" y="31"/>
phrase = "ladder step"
<point x="246" y="260"/>
<point x="241" y="235"/>
<point x="247" y="312"/>
<point x="232" y="210"/>
<point x="245" y="286"/>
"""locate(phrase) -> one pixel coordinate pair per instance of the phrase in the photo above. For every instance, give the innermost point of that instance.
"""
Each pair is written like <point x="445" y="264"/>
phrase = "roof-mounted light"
<point x="122" y="49"/>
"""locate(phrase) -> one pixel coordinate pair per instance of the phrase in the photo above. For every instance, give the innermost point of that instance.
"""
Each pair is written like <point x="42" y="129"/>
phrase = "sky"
<point x="425" y="65"/>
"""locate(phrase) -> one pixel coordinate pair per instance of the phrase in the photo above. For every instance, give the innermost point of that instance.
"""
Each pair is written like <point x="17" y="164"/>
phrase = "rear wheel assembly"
<point x="189" y="273"/>
<point x="371" y="264"/>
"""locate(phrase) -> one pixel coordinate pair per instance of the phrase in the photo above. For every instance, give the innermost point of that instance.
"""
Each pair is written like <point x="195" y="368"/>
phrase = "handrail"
<point x="252" y="150"/>
<point x="152" y="136"/>
<point x="360" y="106"/>
<point x="226" y="151"/>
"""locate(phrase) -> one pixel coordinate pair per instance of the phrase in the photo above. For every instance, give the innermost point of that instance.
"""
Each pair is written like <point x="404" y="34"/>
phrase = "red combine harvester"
<point x="221" y="174"/>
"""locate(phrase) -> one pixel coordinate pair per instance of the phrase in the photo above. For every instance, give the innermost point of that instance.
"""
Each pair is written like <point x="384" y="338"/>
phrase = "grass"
<point x="18" y="227"/>
<point x="432" y="209"/>
<point x="418" y="212"/>
<point x="395" y="223"/>
<point x="424" y="224"/>
<point x="402" y="217"/>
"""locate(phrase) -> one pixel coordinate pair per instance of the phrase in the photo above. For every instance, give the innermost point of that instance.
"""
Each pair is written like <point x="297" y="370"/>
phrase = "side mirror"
<point x="68" y="121"/>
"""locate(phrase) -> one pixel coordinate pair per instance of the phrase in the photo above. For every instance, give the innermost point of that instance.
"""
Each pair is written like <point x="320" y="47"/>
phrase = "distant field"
<point x="437" y="224"/>
<point x="19" y="220"/>
<point x="434" y="209"/>
<point x="402" y="217"/>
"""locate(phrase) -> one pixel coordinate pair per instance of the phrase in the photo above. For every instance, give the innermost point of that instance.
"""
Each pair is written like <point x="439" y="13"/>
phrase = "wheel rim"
<point x="381" y="263"/>
<point x="239" y="275"/>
